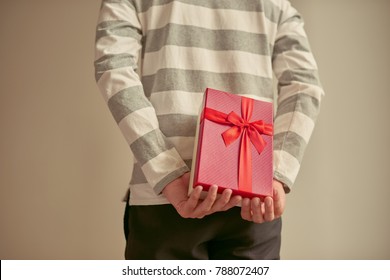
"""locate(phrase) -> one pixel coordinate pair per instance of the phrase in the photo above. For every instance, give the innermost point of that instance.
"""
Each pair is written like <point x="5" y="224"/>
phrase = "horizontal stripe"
<point x="217" y="61"/>
<point x="218" y="40"/>
<point x="290" y="30"/>
<point x="127" y="101"/>
<point x="118" y="10"/>
<point x="117" y="28"/>
<point x="184" y="146"/>
<point x="114" y="81"/>
<point x="308" y="76"/>
<point x="303" y="103"/>
<point x="113" y="61"/>
<point x="138" y="123"/>
<point x="116" y="1"/>
<point x="291" y="143"/>
<point x="164" y="168"/>
<point x="295" y="122"/>
<point x="294" y="88"/>
<point x="178" y="125"/>
<point x="169" y="178"/>
<point x="198" y="81"/>
<point x="294" y="60"/>
<point x="272" y="11"/>
<point x="288" y="43"/>
<point x="181" y="13"/>
<point x="110" y="47"/>
<point x="286" y="165"/>
<point x="138" y="176"/>
<point x="176" y="102"/>
<point x="149" y="145"/>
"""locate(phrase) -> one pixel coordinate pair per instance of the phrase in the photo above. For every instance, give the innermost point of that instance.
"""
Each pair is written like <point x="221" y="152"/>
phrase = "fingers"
<point x="246" y="212"/>
<point x="269" y="214"/>
<point x="195" y="207"/>
<point x="257" y="215"/>
<point x="205" y="206"/>
<point x="258" y="211"/>
<point x="279" y="200"/>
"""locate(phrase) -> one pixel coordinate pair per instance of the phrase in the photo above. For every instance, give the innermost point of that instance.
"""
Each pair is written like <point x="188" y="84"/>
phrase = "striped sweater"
<point x="155" y="58"/>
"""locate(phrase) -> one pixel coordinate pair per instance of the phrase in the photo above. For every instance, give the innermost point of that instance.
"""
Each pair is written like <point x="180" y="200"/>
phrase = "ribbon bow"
<point x="248" y="131"/>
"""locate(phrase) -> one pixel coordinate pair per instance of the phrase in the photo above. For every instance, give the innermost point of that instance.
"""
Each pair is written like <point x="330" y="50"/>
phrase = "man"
<point x="182" y="47"/>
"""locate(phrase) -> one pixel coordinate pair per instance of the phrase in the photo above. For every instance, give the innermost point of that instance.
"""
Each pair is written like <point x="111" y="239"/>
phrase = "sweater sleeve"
<point x="117" y="48"/>
<point x="299" y="95"/>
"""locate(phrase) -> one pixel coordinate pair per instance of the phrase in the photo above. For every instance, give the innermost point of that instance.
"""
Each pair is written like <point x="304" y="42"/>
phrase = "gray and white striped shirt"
<point x="155" y="58"/>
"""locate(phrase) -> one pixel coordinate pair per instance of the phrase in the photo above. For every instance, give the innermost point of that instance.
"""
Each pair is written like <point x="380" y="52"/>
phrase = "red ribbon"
<point x="249" y="132"/>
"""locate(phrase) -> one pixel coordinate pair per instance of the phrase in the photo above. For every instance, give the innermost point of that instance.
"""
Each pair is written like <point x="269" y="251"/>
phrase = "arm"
<point x="118" y="42"/>
<point x="299" y="97"/>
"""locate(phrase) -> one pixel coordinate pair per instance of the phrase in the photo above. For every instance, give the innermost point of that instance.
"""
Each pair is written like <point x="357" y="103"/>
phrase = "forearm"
<point x="299" y="96"/>
<point x="118" y="41"/>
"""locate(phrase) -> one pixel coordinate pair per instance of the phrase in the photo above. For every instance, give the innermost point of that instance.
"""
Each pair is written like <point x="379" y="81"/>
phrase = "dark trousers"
<point x="159" y="232"/>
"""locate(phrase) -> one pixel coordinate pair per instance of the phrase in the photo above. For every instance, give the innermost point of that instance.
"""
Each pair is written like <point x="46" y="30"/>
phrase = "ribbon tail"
<point x="245" y="164"/>
<point x="257" y="140"/>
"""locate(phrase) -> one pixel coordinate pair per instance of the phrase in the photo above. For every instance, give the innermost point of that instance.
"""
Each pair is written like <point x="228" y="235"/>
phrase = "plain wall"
<point x="64" y="165"/>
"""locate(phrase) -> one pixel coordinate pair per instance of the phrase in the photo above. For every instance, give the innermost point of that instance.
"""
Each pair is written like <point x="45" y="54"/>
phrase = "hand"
<point x="271" y="208"/>
<point x="192" y="206"/>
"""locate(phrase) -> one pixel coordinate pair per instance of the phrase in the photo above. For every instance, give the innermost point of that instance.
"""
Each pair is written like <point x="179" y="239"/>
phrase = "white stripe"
<point x="184" y="146"/>
<point x="158" y="167"/>
<point x="113" y="81"/>
<point x="217" y="61"/>
<point x="286" y="164"/>
<point x="176" y="102"/>
<point x="118" y="11"/>
<point x="143" y="194"/>
<point x="138" y="123"/>
<point x="256" y="97"/>
<point x="295" y="122"/>
<point x="185" y="14"/>
<point x="109" y="45"/>
<point x="298" y="87"/>
<point x="291" y="60"/>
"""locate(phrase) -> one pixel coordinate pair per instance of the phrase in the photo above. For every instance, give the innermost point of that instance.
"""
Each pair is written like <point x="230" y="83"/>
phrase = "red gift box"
<point x="234" y="145"/>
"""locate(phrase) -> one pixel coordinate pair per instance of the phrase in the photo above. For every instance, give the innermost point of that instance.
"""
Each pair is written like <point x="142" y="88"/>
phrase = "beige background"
<point x="64" y="165"/>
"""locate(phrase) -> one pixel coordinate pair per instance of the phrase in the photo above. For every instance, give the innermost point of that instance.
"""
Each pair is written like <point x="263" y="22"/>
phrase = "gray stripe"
<point x="109" y="62"/>
<point x="198" y="81"/>
<point x="126" y="2"/>
<point x="291" y="143"/>
<point x="127" y="101"/>
<point x="219" y="40"/>
<point x="177" y="125"/>
<point x="307" y="76"/>
<point x="169" y="178"/>
<point x="296" y="17"/>
<point x="290" y="43"/>
<point x="300" y="102"/>
<point x="117" y="28"/>
<point x="137" y="176"/>
<point x="116" y="1"/>
<point x="149" y="146"/>
<point x="271" y="11"/>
